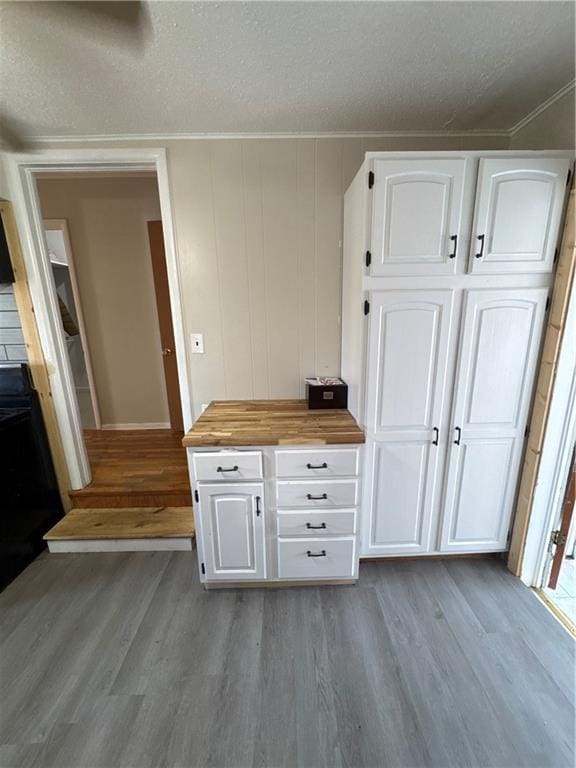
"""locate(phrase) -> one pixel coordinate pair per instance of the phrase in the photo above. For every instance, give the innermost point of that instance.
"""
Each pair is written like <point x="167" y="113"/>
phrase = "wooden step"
<point x="123" y="529"/>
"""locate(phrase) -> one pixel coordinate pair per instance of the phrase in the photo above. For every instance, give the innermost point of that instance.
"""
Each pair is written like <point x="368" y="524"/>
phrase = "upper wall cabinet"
<point x="519" y="203"/>
<point x="417" y="216"/>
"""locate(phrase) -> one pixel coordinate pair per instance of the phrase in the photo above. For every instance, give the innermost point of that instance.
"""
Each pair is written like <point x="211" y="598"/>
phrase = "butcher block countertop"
<point x="271" y="422"/>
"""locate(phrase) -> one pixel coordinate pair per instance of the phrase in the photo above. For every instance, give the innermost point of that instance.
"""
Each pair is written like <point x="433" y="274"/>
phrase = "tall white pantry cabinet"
<point x="448" y="265"/>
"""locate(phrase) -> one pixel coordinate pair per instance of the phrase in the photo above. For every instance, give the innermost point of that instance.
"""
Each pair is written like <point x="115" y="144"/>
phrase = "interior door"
<point x="233" y="532"/>
<point x="162" y="291"/>
<point x="500" y="345"/>
<point x="519" y="204"/>
<point x="417" y="211"/>
<point x="410" y="334"/>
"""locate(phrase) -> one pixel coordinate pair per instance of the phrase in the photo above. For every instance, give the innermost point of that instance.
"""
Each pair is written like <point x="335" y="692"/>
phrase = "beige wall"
<point x="552" y="129"/>
<point x="258" y="226"/>
<point x="107" y="221"/>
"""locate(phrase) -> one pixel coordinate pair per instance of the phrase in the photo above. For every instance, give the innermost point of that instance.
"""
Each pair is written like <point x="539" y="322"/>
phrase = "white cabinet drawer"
<point x="316" y="558"/>
<point x="325" y="462"/>
<point x="308" y="523"/>
<point x="316" y="493"/>
<point x="228" y="465"/>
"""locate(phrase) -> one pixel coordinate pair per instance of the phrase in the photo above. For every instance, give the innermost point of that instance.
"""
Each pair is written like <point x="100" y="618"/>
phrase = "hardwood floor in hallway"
<point x="123" y="660"/>
<point x="136" y="468"/>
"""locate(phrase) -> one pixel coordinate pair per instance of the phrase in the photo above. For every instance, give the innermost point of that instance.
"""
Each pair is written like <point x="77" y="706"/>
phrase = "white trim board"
<point x="22" y="170"/>
<point x="139" y="425"/>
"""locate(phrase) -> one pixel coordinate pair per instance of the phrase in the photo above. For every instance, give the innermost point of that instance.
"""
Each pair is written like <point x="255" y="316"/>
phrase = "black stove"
<point x="29" y="500"/>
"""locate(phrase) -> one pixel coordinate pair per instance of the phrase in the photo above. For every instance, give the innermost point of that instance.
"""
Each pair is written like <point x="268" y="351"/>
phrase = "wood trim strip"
<point x="545" y="385"/>
<point x="36" y="361"/>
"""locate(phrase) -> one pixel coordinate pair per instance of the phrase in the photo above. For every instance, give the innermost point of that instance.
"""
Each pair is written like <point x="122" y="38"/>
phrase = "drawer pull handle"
<point x="227" y="469"/>
<point x="322" y="497"/>
<point x="316" y="554"/>
<point x="313" y="527"/>
<point x="317" y="466"/>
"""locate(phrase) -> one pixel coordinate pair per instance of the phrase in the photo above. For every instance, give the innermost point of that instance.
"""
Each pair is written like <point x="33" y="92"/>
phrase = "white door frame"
<point x="22" y="170"/>
<point x="555" y="458"/>
<point x="61" y="225"/>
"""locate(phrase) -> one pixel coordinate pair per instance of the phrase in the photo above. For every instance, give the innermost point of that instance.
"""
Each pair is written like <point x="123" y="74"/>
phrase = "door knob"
<point x="166" y="351"/>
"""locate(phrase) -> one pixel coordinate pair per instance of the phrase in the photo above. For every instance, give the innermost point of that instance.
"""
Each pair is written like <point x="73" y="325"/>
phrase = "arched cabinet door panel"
<point x="410" y="335"/>
<point x="499" y="349"/>
<point x="519" y="204"/>
<point x="233" y="531"/>
<point x="417" y="209"/>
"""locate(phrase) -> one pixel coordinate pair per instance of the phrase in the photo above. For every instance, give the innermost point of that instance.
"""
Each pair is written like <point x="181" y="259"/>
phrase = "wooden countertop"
<point x="271" y="422"/>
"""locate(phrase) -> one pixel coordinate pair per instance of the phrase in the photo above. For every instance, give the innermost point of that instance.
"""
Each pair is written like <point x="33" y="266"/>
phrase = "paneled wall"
<point x="12" y="349"/>
<point x="258" y="227"/>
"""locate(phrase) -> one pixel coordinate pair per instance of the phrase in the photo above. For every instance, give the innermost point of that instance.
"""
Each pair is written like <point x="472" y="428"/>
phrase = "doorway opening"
<point x="105" y="242"/>
<point x="559" y="587"/>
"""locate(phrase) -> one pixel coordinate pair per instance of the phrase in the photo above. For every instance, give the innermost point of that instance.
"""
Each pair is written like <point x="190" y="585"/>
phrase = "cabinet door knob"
<point x="166" y="352"/>
<point x="481" y="251"/>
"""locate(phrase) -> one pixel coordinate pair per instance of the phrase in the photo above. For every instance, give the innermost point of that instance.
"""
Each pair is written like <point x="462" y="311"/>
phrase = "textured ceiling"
<point x="285" y="67"/>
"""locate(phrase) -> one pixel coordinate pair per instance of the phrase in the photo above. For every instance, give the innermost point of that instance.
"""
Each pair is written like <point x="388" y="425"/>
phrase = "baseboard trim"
<point x="121" y="545"/>
<point x="139" y="425"/>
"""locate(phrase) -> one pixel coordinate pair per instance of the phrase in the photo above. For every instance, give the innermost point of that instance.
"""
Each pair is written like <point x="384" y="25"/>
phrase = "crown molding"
<point x="303" y="135"/>
<point x="542" y="108"/>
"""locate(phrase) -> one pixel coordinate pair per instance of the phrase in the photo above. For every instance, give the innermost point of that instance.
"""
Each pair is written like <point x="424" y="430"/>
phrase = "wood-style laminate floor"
<point x="135" y="468"/>
<point x="123" y="660"/>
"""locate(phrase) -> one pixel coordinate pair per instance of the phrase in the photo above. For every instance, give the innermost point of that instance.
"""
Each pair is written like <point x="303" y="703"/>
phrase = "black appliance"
<point x="29" y="500"/>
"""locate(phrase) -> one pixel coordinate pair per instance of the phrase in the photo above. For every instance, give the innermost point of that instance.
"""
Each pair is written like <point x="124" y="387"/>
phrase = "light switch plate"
<point x="197" y="340"/>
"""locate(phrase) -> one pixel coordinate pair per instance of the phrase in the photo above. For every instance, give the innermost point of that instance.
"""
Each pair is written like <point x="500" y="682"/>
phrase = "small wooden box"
<point x="326" y="393"/>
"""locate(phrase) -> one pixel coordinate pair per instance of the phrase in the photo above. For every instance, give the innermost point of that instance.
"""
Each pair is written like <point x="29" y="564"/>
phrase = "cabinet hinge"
<point x="196" y="497"/>
<point x="368" y="258"/>
<point x="366" y="307"/>
<point x="370" y="179"/>
<point x="202" y="568"/>
<point x="547" y="304"/>
<point x="558" y="539"/>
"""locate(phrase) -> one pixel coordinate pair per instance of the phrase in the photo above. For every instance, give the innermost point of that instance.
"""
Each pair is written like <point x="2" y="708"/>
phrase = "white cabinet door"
<point x="410" y="335"/>
<point x="499" y="351"/>
<point x="233" y="532"/>
<point x="417" y="211"/>
<point x="519" y="203"/>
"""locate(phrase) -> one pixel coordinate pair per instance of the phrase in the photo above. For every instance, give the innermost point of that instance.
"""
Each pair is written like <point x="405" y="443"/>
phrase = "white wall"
<point x="258" y="227"/>
<point x="551" y="129"/>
